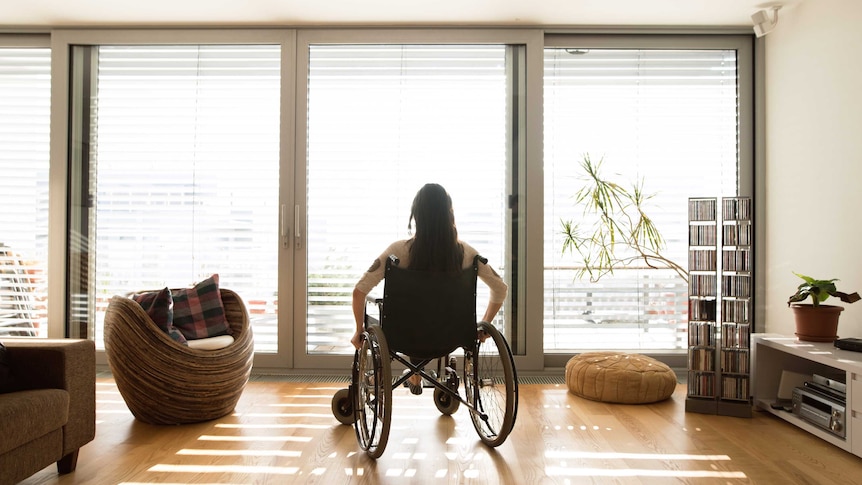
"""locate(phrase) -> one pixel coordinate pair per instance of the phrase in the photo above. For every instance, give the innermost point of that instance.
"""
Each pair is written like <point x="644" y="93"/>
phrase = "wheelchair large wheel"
<point x="373" y="392"/>
<point x="491" y="385"/>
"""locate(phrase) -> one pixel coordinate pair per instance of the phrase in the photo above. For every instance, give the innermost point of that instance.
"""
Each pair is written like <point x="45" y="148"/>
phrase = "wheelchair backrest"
<point x="427" y="314"/>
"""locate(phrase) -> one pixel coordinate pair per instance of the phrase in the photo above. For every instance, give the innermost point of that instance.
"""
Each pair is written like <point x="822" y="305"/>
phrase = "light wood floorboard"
<point x="284" y="432"/>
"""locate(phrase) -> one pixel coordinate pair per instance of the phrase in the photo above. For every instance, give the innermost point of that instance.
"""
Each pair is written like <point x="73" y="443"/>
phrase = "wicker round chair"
<point x="164" y="382"/>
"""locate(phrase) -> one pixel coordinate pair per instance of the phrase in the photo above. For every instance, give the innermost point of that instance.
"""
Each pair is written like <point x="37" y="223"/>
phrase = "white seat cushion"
<point x="211" y="343"/>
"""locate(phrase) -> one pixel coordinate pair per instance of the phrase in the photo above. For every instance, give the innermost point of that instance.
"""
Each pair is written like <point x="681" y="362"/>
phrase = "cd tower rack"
<point x="719" y="306"/>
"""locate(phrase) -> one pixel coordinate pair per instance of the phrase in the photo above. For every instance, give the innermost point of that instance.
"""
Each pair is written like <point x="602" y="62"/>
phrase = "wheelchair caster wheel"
<point x="342" y="407"/>
<point x="445" y="402"/>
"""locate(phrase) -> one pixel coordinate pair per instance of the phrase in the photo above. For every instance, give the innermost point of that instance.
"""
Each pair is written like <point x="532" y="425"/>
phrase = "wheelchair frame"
<point x="488" y="370"/>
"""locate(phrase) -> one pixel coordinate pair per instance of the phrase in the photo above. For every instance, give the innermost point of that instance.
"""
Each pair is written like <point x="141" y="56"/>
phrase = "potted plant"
<point x="615" y="231"/>
<point x="816" y="322"/>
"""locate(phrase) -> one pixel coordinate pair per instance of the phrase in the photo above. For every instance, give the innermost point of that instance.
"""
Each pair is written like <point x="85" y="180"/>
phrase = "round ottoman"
<point x="618" y="377"/>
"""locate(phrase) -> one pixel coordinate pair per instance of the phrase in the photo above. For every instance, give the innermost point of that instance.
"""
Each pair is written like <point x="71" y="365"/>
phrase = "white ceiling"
<point x="59" y="13"/>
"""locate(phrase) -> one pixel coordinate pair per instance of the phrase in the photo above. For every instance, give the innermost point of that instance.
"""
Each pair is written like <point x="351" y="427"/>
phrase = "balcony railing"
<point x="22" y="301"/>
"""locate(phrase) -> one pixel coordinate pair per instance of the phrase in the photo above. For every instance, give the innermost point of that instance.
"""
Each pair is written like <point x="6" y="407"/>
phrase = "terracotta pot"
<point x="817" y="324"/>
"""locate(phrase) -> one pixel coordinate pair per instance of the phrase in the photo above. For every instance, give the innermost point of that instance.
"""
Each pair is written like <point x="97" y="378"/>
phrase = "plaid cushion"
<point x="159" y="306"/>
<point x="199" y="311"/>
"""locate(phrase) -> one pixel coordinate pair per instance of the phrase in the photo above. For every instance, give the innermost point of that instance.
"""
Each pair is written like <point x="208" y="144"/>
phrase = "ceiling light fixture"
<point x="762" y="23"/>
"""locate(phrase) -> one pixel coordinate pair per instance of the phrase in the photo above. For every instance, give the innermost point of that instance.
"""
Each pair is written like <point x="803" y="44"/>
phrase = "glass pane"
<point x="187" y="147"/>
<point x="383" y="120"/>
<point x="666" y="118"/>
<point x="25" y="105"/>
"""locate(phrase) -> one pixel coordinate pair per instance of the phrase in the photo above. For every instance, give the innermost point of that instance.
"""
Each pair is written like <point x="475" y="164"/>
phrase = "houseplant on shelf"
<point x="816" y="322"/>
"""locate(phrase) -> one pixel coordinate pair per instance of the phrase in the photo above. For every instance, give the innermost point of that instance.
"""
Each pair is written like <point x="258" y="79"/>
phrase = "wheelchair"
<point x="424" y="317"/>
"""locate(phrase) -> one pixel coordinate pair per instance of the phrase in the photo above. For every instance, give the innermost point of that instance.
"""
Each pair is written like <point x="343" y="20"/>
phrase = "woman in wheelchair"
<point x="428" y="311"/>
<point x="434" y="247"/>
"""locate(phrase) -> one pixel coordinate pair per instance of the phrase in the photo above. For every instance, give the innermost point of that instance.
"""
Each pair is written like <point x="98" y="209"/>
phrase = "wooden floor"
<point x="283" y="432"/>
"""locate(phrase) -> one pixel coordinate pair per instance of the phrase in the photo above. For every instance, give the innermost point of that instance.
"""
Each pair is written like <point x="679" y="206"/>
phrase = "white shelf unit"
<point x="773" y="354"/>
<point x="720" y="304"/>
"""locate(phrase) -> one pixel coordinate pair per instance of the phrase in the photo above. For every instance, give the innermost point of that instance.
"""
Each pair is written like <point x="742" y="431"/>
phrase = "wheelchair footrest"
<point x="425" y="382"/>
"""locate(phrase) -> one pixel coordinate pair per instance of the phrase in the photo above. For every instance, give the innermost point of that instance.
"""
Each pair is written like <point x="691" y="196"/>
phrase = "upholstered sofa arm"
<point x="67" y="364"/>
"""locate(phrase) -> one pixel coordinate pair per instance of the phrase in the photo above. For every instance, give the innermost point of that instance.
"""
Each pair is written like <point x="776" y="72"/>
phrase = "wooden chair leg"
<point x="68" y="463"/>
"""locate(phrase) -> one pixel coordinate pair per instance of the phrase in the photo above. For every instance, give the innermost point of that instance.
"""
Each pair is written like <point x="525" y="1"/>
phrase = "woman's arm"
<point x="358" y="315"/>
<point x="368" y="281"/>
<point x="491" y="311"/>
<point x="499" y="288"/>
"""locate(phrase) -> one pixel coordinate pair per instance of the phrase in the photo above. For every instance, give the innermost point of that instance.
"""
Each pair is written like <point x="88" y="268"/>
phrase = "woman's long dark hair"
<point x="435" y="244"/>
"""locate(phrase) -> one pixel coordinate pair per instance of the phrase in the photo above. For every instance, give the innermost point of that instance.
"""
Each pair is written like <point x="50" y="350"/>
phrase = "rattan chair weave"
<point x="164" y="382"/>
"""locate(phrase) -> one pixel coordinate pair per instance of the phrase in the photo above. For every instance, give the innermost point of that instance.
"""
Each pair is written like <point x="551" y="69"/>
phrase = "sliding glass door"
<point x="667" y="116"/>
<point x="178" y="172"/>
<point x="383" y="119"/>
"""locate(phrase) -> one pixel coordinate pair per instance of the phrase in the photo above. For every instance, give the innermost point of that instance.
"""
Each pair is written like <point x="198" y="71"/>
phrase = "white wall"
<point x="813" y="199"/>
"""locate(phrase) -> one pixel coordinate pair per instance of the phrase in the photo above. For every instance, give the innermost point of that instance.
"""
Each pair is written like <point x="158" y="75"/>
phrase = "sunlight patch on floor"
<point x="255" y="452"/>
<point x="633" y="472"/>
<point x="631" y="456"/>
<point x="563" y="470"/>
<point x="296" y="439"/>
<point x="273" y="470"/>
<point x="272" y="426"/>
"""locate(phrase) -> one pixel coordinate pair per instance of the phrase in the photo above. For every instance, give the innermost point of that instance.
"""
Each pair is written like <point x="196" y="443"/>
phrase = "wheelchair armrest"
<point x="378" y="301"/>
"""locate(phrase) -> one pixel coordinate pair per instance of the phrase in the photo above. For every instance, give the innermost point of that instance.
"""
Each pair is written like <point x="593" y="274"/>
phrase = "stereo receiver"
<point x="820" y="410"/>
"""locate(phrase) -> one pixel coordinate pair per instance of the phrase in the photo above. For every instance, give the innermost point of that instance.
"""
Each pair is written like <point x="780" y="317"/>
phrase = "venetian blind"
<point x="25" y="100"/>
<point x="668" y="117"/>
<point x="382" y="121"/>
<point x="186" y="169"/>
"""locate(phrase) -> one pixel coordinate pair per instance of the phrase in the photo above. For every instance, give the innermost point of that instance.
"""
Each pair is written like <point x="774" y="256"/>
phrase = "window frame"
<point x="529" y="294"/>
<point x="744" y="46"/>
<point x="62" y="146"/>
<point x="39" y="40"/>
<point x="527" y="187"/>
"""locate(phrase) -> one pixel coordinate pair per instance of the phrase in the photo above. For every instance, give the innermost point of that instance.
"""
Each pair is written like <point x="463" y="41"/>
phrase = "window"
<point x="187" y="163"/>
<point x="669" y="117"/>
<point x="184" y="160"/>
<point x="383" y="120"/>
<point x="25" y="95"/>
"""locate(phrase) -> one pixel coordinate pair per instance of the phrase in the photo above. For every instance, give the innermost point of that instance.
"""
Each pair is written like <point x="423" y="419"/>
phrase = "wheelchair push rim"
<point x="491" y="387"/>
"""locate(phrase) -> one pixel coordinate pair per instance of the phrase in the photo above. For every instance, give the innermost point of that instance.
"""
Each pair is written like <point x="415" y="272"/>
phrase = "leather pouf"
<point x="616" y="377"/>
